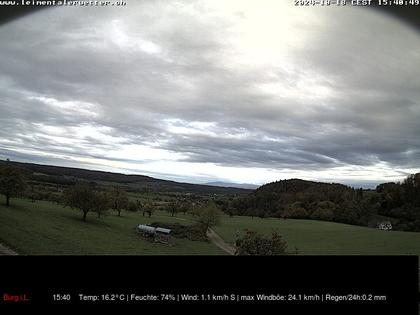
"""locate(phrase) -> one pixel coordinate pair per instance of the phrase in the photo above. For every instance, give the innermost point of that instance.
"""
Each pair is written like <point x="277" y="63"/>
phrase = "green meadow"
<point x="312" y="237"/>
<point x="47" y="228"/>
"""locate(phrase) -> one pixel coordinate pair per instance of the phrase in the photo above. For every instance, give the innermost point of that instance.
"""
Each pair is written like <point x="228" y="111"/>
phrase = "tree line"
<point x="295" y="198"/>
<point x="89" y="197"/>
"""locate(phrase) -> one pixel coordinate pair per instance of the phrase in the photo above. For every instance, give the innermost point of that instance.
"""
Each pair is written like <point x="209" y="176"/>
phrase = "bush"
<point x="255" y="244"/>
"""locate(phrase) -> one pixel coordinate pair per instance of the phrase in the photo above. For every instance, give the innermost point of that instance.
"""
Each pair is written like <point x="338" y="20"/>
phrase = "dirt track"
<point x="219" y="242"/>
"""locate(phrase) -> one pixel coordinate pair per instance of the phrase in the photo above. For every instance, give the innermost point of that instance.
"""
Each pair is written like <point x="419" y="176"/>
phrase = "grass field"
<point x="47" y="228"/>
<point x="318" y="237"/>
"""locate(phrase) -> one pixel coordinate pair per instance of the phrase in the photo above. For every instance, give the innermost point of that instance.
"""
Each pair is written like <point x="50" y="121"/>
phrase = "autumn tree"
<point x="101" y="203"/>
<point x="253" y="243"/>
<point x="12" y="182"/>
<point x="80" y="196"/>
<point x="148" y="207"/>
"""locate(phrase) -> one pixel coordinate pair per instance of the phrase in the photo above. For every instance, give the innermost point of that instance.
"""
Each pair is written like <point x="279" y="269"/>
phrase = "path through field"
<point x="219" y="242"/>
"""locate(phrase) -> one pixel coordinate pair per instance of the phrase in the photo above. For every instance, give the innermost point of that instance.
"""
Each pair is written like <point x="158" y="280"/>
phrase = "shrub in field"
<point x="253" y="243"/>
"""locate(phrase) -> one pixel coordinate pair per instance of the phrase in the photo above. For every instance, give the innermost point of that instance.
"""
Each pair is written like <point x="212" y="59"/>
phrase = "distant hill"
<point x="293" y="186"/>
<point x="226" y="184"/>
<point x="299" y="199"/>
<point x="68" y="175"/>
<point x="398" y="203"/>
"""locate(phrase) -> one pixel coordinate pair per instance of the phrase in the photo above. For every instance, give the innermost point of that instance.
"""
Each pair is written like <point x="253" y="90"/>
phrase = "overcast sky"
<point x="197" y="91"/>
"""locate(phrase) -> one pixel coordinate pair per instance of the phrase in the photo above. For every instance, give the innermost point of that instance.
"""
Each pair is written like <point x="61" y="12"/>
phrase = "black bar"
<point x="383" y="284"/>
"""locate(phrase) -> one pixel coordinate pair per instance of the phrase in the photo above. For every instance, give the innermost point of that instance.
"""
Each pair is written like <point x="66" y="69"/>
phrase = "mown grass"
<point x="47" y="228"/>
<point x="320" y="238"/>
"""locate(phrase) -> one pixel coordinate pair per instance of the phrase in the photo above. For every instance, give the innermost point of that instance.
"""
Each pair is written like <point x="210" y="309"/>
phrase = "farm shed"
<point x="146" y="230"/>
<point x="159" y="234"/>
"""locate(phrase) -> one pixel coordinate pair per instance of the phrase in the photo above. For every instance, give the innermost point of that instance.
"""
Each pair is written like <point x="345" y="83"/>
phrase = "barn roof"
<point x="151" y="229"/>
<point x="162" y="230"/>
<point x="146" y="228"/>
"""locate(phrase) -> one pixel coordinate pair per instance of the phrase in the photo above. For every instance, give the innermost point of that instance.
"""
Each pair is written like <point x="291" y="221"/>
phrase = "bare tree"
<point x="119" y="199"/>
<point x="101" y="203"/>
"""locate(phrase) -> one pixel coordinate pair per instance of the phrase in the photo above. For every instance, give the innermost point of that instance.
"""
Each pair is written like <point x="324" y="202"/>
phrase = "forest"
<point x="398" y="203"/>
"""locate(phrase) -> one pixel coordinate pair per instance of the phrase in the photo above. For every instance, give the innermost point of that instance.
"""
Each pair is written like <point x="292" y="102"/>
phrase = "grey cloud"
<point x="68" y="55"/>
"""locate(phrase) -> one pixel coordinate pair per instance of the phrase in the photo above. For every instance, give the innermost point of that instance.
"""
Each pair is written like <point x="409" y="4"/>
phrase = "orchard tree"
<point x="118" y="199"/>
<point x="12" y="182"/>
<point x="32" y="193"/>
<point x="80" y="196"/>
<point x="101" y="203"/>
<point x="185" y="207"/>
<point x="173" y="207"/>
<point x="134" y="206"/>
<point x="148" y="207"/>
<point x="194" y="209"/>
